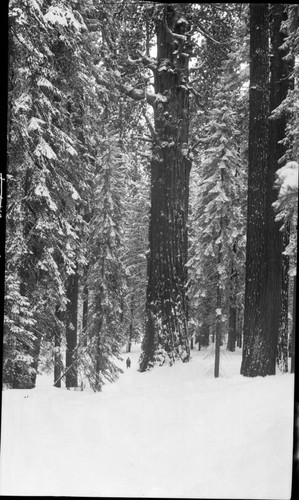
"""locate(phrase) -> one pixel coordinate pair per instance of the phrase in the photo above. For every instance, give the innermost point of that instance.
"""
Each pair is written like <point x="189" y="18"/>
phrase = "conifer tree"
<point x="39" y="261"/>
<point x="106" y="274"/>
<point x="259" y="349"/>
<point x="218" y="220"/>
<point x="217" y="203"/>
<point x="266" y="275"/>
<point x="136" y="247"/>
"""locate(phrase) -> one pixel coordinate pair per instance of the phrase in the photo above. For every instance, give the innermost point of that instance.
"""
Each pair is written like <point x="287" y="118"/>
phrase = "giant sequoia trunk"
<point x="258" y="344"/>
<point x="166" y="336"/>
<point x="266" y="273"/>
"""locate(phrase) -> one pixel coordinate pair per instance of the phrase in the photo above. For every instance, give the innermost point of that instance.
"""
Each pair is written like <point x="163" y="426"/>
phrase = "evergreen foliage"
<point x="218" y="206"/>
<point x="101" y="135"/>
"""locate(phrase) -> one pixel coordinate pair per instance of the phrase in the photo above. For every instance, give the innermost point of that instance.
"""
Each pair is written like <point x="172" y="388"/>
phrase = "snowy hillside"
<point x="170" y="432"/>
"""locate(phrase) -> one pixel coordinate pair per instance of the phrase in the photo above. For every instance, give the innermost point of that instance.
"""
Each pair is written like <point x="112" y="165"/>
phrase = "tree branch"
<point x="145" y="139"/>
<point x="134" y="93"/>
<point x="172" y="34"/>
<point x="150" y="126"/>
<point x="150" y="62"/>
<point x="145" y="60"/>
<point x="137" y="94"/>
<point x="206" y="34"/>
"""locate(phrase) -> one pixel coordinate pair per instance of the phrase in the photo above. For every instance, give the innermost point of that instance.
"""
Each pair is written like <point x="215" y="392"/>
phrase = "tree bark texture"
<point x="294" y="327"/>
<point x="277" y="263"/>
<point x="257" y="345"/>
<point x="266" y="279"/>
<point x="166" y="334"/>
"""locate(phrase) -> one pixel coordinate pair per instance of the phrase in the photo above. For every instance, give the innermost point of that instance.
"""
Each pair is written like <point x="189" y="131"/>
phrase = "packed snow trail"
<point x="171" y="432"/>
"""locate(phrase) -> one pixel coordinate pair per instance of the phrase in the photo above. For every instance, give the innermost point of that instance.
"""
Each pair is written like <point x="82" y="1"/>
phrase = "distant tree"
<point x="136" y="246"/>
<point x="218" y="221"/>
<point x="217" y="204"/>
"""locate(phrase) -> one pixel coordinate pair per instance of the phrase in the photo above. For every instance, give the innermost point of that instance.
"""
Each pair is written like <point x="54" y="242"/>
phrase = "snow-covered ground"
<point x="171" y="432"/>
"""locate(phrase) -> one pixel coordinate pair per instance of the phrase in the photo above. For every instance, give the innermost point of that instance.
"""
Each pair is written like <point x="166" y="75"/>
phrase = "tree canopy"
<point x="131" y="209"/>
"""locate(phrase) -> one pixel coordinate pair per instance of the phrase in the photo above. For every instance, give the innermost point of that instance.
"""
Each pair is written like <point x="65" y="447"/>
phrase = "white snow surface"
<point x="172" y="432"/>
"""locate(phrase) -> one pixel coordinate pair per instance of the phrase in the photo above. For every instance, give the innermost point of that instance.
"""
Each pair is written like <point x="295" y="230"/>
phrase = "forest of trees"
<point x="151" y="196"/>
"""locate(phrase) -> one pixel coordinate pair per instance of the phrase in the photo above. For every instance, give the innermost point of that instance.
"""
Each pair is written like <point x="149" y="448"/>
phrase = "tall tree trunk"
<point x="166" y="336"/>
<point x="257" y="345"/>
<point x="71" y="331"/>
<point x="283" y="332"/>
<point x="277" y="264"/>
<point x="294" y="326"/>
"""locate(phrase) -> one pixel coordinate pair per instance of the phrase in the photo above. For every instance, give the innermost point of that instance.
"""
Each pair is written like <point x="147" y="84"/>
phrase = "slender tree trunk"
<point x="217" y="336"/>
<point x="85" y="315"/>
<point x="232" y="328"/>
<point x="166" y="336"/>
<point x="71" y="331"/>
<point x="232" y="319"/>
<point x="218" y="328"/>
<point x="57" y="353"/>
<point x="131" y="328"/>
<point x="239" y="326"/>
<point x="204" y="335"/>
<point x="257" y="346"/>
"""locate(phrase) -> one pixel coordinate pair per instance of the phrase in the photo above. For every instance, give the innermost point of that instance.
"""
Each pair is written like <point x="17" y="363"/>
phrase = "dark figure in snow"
<point x="128" y="362"/>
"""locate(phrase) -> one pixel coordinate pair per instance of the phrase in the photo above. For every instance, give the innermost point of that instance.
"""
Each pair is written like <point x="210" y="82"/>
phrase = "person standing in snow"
<point x="128" y="362"/>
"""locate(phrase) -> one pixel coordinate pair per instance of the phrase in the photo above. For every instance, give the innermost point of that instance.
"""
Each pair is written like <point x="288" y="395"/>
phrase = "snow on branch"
<point x="287" y="183"/>
<point x="63" y="17"/>
<point x="133" y="92"/>
<point x="286" y="207"/>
